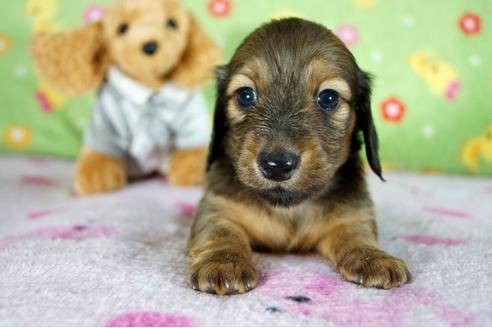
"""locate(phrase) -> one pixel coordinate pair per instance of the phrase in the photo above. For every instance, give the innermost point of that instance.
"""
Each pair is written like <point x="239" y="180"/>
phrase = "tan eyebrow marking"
<point x="320" y="75"/>
<point x="339" y="85"/>
<point x="343" y="113"/>
<point x="238" y="81"/>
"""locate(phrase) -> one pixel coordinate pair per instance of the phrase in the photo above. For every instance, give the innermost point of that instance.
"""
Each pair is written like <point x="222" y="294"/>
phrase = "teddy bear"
<point x="148" y="59"/>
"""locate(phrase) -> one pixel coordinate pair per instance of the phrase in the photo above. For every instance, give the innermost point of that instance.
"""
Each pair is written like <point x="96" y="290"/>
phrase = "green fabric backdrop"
<point x="432" y="61"/>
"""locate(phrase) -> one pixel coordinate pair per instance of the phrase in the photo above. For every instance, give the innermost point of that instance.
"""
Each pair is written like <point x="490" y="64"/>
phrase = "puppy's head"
<point x="290" y="105"/>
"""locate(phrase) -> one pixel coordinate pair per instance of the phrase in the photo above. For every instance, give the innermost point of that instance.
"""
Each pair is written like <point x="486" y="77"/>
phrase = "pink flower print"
<point x="329" y="297"/>
<point x="428" y="240"/>
<point x="348" y="34"/>
<point x="43" y="213"/>
<point x="219" y="8"/>
<point x="44" y="101"/>
<point x="149" y="319"/>
<point x="452" y="90"/>
<point x="186" y="209"/>
<point x="447" y="212"/>
<point x="75" y="232"/>
<point x="93" y="13"/>
<point x="38" y="180"/>
<point x="49" y="98"/>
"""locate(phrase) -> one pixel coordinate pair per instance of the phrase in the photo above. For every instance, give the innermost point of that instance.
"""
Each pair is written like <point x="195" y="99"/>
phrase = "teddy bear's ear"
<point x="72" y="62"/>
<point x="200" y="58"/>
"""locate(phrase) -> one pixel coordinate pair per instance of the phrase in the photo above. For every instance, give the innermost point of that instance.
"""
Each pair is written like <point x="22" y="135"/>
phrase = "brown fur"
<point x="188" y="166"/>
<point x="325" y="206"/>
<point x="96" y="172"/>
<point x="76" y="62"/>
<point x="83" y="52"/>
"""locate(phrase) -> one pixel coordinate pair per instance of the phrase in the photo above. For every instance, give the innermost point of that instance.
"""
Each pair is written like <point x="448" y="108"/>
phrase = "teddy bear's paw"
<point x="187" y="167"/>
<point x="98" y="173"/>
<point x="186" y="177"/>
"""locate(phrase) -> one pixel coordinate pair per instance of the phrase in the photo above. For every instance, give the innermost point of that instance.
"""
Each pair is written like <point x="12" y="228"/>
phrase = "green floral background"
<point x="432" y="61"/>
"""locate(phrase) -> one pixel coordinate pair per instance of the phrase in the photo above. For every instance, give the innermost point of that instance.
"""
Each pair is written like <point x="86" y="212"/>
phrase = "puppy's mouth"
<point x="281" y="197"/>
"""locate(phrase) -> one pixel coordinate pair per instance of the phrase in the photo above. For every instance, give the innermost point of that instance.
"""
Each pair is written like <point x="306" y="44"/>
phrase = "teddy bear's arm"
<point x="106" y="131"/>
<point x="100" y="166"/>
<point x="191" y="131"/>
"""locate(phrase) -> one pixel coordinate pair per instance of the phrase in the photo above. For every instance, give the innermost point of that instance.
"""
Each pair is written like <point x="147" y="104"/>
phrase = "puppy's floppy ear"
<point x="220" y="120"/>
<point x="365" y="122"/>
<point x="200" y="58"/>
<point x="72" y="62"/>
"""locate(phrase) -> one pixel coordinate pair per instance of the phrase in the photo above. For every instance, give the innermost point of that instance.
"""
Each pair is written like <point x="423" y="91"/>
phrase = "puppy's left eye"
<point x="328" y="99"/>
<point x="246" y="97"/>
<point x="171" y="24"/>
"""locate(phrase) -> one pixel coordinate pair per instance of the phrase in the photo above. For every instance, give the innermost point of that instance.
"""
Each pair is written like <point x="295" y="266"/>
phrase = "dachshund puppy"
<point x="284" y="171"/>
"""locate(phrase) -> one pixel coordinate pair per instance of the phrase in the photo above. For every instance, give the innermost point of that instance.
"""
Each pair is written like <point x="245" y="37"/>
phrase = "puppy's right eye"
<point x="328" y="100"/>
<point x="122" y="29"/>
<point x="246" y="97"/>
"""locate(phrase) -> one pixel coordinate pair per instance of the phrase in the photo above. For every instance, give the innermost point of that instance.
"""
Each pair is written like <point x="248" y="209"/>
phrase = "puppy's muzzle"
<point x="278" y="166"/>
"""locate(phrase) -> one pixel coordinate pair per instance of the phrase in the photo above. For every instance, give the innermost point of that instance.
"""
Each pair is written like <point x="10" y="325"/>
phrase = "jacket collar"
<point x="140" y="94"/>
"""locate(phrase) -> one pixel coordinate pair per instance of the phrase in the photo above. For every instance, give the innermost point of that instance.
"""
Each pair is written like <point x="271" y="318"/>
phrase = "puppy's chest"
<point x="292" y="229"/>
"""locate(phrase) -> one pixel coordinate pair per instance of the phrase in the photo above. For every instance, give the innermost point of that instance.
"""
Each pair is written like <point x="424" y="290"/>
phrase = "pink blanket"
<point x="119" y="259"/>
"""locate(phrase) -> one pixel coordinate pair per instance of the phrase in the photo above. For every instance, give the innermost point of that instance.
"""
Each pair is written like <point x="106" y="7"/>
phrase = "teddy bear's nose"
<point x="150" y="48"/>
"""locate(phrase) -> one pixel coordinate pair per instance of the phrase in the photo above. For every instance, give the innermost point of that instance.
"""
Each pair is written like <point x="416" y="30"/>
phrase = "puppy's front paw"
<point x="223" y="273"/>
<point x="371" y="267"/>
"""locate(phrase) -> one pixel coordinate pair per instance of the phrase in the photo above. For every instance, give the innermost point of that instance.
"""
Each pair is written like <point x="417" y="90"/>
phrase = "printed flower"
<point x="48" y="98"/>
<point x="186" y="209"/>
<point x="5" y="44"/>
<point x="452" y="90"/>
<point x="348" y="34"/>
<point x="149" y="319"/>
<point x="17" y="136"/>
<point x="75" y="232"/>
<point x="219" y="8"/>
<point x="93" y="13"/>
<point x="364" y="4"/>
<point x="469" y="24"/>
<point x="393" y="110"/>
<point x="430" y="240"/>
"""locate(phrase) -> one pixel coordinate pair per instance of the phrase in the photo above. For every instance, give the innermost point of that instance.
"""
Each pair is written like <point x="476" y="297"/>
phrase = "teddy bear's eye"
<point x="122" y="28"/>
<point x="171" y="23"/>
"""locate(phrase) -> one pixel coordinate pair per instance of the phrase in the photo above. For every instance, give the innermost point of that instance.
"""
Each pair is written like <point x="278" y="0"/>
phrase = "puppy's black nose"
<point x="278" y="166"/>
<point x="150" y="48"/>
